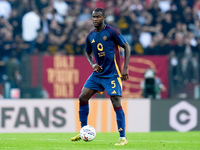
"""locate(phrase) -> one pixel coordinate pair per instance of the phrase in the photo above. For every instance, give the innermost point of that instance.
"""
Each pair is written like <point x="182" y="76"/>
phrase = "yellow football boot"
<point x="76" y="138"/>
<point x="122" y="141"/>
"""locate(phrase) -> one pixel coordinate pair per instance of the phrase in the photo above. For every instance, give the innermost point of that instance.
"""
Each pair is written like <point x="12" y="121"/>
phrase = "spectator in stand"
<point x="5" y="9"/>
<point x="13" y="75"/>
<point x="182" y="4"/>
<point x="15" y="21"/>
<point x="121" y="6"/>
<point x="187" y="16"/>
<point x="146" y="34"/>
<point x="5" y="28"/>
<point x="2" y="71"/>
<point x="124" y="22"/>
<point x="189" y="62"/>
<point x="84" y="17"/>
<point x="50" y="13"/>
<point x="180" y="27"/>
<point x="30" y="27"/>
<point x="176" y="53"/>
<point x="61" y="7"/>
<point x="56" y="37"/>
<point x="167" y="23"/>
<point x="155" y="11"/>
<point x="178" y="44"/>
<point x="9" y="73"/>
<point x="41" y="43"/>
<point x="195" y="28"/>
<point x="196" y="9"/>
<point x="5" y="25"/>
<point x="145" y="18"/>
<point x="110" y="13"/>
<point x="8" y="46"/>
<point x="96" y="4"/>
<point x="77" y="8"/>
<point x="81" y="42"/>
<point x="136" y="7"/>
<point x="23" y="6"/>
<point x="70" y="44"/>
<point x="174" y="68"/>
<point x="159" y="45"/>
<point x="59" y="11"/>
<point x="110" y="19"/>
<point x="164" y="5"/>
<point x="41" y="4"/>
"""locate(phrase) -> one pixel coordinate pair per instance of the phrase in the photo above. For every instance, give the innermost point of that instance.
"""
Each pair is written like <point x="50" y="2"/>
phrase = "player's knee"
<point x="116" y="102"/>
<point x="116" y="105"/>
<point x="82" y="98"/>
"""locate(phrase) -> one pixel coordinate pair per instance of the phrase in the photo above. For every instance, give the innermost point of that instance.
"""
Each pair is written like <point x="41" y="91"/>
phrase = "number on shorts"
<point x="113" y="82"/>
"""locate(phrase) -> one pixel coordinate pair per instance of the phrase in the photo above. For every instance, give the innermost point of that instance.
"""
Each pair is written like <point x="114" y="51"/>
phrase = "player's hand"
<point x="97" y="68"/>
<point x="125" y="75"/>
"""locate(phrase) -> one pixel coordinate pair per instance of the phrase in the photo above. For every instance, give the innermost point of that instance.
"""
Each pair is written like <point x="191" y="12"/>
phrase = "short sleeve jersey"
<point x="105" y="47"/>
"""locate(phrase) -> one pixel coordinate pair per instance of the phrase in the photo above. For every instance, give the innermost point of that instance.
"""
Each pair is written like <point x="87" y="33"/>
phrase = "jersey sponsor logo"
<point x="101" y="54"/>
<point x="93" y="41"/>
<point x="100" y="47"/>
<point x="113" y="92"/>
<point x="105" y="38"/>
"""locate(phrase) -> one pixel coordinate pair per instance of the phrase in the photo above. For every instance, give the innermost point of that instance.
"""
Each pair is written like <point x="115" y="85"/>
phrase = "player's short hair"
<point x="100" y="10"/>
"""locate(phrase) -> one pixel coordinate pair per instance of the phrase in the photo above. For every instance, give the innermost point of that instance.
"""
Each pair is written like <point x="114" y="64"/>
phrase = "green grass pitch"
<point x="103" y="141"/>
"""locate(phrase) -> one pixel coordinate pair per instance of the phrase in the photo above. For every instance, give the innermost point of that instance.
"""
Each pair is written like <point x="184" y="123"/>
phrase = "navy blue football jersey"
<point x="105" y="47"/>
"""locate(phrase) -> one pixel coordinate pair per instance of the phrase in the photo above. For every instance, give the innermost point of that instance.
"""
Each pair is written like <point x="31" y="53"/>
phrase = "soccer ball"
<point x="87" y="133"/>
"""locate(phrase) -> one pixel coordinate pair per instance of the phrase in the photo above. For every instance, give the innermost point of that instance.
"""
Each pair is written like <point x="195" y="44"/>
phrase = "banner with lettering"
<point x="64" y="76"/>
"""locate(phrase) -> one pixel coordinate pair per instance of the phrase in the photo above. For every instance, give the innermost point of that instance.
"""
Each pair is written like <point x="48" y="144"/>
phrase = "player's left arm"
<point x="120" y="40"/>
<point x="127" y="50"/>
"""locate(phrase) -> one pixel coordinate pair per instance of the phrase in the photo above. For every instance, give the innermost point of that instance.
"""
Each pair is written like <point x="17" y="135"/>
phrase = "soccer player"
<point x="104" y="42"/>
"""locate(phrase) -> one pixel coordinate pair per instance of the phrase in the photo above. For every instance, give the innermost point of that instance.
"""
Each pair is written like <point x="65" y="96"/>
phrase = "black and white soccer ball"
<point x="87" y="133"/>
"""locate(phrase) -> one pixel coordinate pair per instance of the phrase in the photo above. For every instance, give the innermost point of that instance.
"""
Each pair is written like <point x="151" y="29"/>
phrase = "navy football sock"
<point x="120" y="121"/>
<point x="83" y="114"/>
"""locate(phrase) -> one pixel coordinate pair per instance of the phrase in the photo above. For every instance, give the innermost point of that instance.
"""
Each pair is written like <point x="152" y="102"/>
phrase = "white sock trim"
<point x="124" y="138"/>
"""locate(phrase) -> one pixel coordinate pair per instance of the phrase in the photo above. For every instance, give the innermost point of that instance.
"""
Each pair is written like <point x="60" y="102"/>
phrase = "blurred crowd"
<point x="151" y="27"/>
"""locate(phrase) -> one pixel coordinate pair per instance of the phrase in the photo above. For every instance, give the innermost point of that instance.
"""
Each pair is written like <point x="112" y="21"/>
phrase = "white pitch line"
<point x="144" y="141"/>
<point x="8" y="138"/>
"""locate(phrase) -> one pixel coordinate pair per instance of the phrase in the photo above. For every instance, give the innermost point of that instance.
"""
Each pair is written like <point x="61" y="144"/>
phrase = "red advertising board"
<point x="64" y="76"/>
<point x="137" y="67"/>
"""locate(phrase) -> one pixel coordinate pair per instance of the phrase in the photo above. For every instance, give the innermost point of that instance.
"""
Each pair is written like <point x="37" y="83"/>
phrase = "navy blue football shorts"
<point x="112" y="85"/>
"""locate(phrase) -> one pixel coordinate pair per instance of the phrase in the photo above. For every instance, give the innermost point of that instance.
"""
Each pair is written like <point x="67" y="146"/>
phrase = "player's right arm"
<point x="96" y="67"/>
<point x="89" y="57"/>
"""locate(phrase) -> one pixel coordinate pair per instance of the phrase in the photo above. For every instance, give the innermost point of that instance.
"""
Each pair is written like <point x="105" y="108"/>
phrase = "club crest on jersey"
<point x="105" y="38"/>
